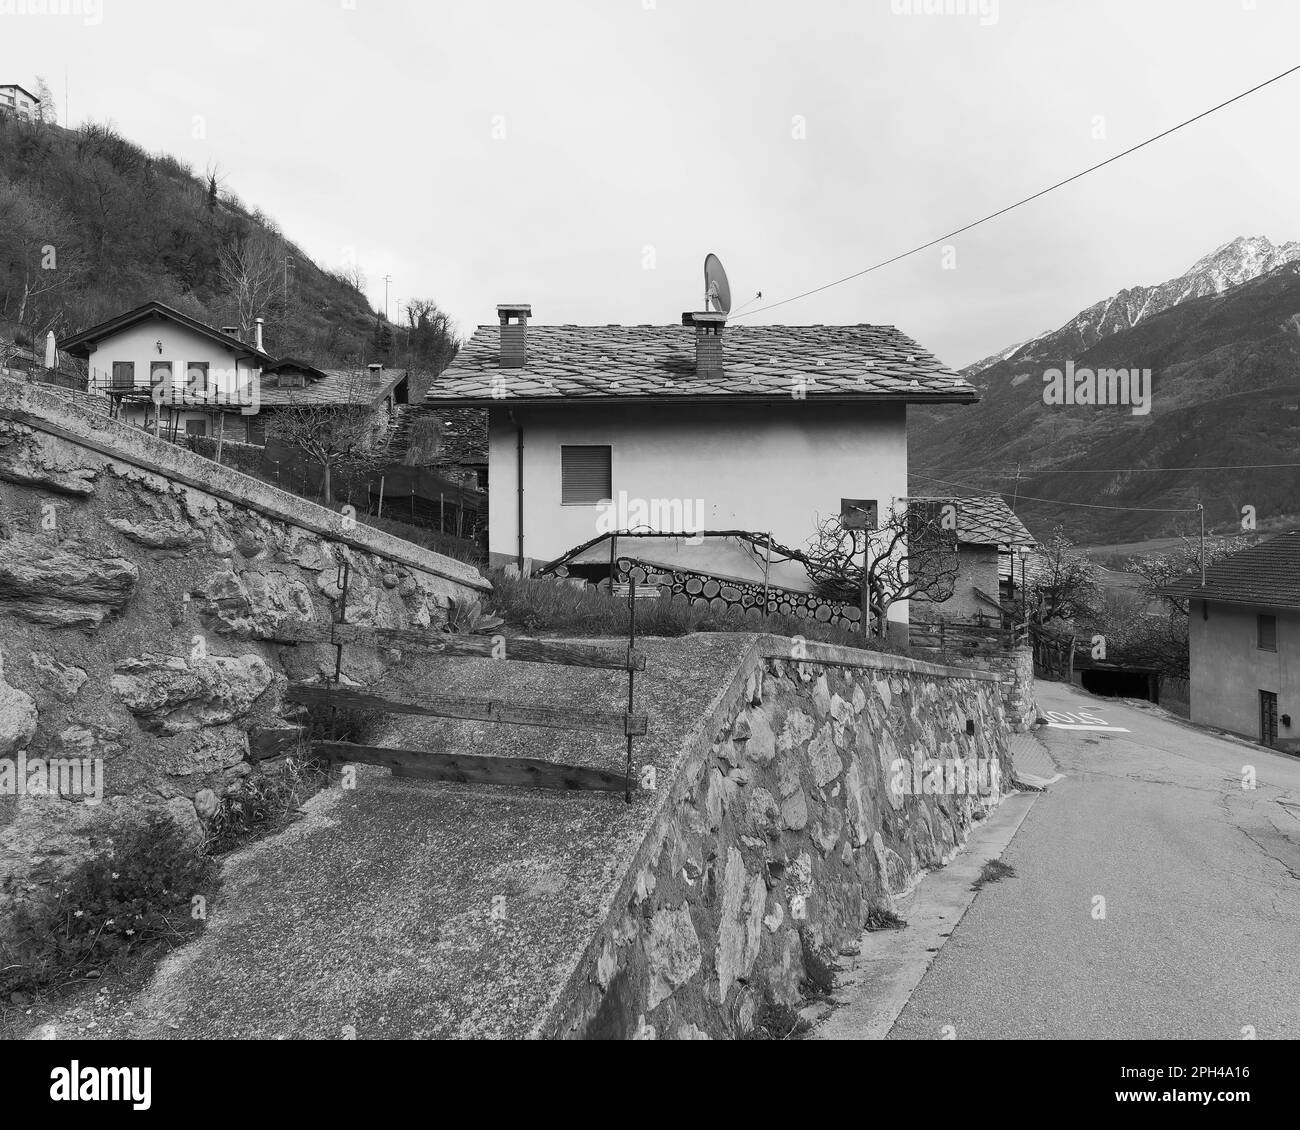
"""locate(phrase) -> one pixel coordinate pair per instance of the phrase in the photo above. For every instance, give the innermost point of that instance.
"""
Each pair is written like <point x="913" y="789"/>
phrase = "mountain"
<point x="1236" y="262"/>
<point x="1223" y="346"/>
<point x="91" y="225"/>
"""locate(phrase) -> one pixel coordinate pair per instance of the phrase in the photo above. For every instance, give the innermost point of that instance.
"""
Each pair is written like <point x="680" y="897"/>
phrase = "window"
<point x="196" y="427"/>
<point x="585" y="475"/>
<point x="196" y="380"/>
<point x="124" y="374"/>
<point x="1267" y="632"/>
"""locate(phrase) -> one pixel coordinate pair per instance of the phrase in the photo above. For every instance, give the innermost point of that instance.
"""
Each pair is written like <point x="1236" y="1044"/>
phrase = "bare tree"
<point x="249" y="269"/>
<point x="38" y="250"/>
<point x="1064" y="587"/>
<point x="350" y="433"/>
<point x="913" y="552"/>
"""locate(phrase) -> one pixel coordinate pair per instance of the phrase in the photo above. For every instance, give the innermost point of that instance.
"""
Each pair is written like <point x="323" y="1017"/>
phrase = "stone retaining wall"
<point x="798" y="821"/>
<point x="136" y="580"/>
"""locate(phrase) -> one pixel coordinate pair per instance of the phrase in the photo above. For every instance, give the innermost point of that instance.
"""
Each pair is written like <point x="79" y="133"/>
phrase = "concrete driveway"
<point x="1154" y="896"/>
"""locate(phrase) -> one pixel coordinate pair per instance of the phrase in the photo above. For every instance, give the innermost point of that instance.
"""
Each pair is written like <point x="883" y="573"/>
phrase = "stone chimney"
<point x="708" y="340"/>
<point x="514" y="334"/>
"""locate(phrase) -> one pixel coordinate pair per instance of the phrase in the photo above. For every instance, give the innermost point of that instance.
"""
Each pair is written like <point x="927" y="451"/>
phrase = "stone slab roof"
<point x="658" y="362"/>
<point x="985" y="520"/>
<point x="1265" y="575"/>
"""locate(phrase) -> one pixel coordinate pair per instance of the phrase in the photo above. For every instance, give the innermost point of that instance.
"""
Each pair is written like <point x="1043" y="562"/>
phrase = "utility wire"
<point x="1026" y="200"/>
<point x="1060" y="501"/>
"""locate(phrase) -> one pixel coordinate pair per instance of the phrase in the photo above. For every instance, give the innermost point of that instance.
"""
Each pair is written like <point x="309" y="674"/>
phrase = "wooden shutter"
<point x="123" y="374"/>
<point x="585" y="474"/>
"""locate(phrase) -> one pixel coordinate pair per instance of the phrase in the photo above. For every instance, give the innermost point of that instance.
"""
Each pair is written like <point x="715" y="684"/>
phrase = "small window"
<point x="196" y="427"/>
<point x="124" y="374"/>
<point x="1267" y="633"/>
<point x="585" y="475"/>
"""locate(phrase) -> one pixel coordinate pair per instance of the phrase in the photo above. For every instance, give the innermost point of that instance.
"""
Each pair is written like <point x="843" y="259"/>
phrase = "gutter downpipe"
<point x="519" y="470"/>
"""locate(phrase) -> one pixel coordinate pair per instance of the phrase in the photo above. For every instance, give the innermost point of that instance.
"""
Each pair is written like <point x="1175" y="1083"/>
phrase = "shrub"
<point x="134" y="891"/>
<point x="266" y="800"/>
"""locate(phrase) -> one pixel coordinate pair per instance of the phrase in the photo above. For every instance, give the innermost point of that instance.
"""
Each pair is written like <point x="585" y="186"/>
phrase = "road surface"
<point x="1154" y="897"/>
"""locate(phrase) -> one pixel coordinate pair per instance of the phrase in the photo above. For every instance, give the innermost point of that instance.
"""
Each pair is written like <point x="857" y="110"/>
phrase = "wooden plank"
<point x="474" y="769"/>
<point x="469" y="647"/>
<point x="473" y="710"/>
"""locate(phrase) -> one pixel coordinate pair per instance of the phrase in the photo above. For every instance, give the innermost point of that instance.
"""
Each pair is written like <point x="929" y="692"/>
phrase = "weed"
<point x="819" y="970"/>
<point x="882" y="918"/>
<point x="133" y="892"/>
<point x="265" y="801"/>
<point x="994" y="871"/>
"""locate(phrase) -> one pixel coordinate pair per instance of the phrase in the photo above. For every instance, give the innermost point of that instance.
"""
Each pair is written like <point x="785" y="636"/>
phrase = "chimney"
<point x="375" y="368"/>
<point x="257" y="334"/>
<point x="708" y="340"/>
<point x="514" y="334"/>
<point x="230" y="331"/>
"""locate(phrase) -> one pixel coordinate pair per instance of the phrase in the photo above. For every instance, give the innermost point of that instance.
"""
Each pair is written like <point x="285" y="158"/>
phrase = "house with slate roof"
<point x="176" y="374"/>
<point x="1244" y="640"/>
<point x="989" y="538"/>
<point x="719" y="428"/>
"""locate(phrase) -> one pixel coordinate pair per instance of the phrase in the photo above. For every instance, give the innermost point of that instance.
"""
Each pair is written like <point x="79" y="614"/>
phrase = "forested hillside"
<point x="92" y="225"/>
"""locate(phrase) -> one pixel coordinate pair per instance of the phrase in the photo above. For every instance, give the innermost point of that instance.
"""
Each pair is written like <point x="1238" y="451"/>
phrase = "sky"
<point x="585" y="155"/>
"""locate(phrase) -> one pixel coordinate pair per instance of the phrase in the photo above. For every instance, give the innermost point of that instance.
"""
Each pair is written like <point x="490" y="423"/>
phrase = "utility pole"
<point x="1016" y="494"/>
<point x="387" y="280"/>
<point x="1201" y="507"/>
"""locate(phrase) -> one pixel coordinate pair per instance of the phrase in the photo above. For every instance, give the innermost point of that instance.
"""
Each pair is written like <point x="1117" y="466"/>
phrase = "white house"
<point x="16" y="100"/>
<point x="1244" y="642"/>
<point x="766" y="429"/>
<point x="167" y="370"/>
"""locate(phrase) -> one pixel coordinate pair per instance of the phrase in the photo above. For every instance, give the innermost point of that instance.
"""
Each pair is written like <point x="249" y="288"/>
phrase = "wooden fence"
<point x="465" y="768"/>
<point x="965" y="636"/>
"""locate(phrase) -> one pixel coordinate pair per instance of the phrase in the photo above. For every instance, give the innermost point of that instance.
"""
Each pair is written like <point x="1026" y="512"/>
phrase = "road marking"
<point x="1083" y="720"/>
<point x="1075" y="726"/>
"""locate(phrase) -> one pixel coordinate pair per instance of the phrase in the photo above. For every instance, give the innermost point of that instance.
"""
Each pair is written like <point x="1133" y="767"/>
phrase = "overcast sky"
<point x="584" y="155"/>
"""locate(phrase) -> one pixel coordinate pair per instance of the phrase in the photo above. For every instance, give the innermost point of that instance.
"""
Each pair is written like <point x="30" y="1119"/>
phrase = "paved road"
<point x="1200" y="880"/>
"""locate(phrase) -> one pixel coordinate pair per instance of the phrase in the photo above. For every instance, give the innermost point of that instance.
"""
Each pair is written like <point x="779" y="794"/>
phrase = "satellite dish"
<point x="717" y="291"/>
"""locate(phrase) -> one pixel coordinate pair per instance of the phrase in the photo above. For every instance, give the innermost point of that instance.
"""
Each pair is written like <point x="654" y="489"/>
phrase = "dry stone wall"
<point x="132" y="606"/>
<point x="814" y="805"/>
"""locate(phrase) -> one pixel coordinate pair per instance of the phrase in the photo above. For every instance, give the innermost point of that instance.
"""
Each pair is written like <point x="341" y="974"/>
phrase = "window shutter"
<point x="585" y="474"/>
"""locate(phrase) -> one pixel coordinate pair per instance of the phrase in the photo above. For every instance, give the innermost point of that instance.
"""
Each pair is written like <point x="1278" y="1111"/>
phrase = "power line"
<point x="1026" y="200"/>
<point x="1060" y="501"/>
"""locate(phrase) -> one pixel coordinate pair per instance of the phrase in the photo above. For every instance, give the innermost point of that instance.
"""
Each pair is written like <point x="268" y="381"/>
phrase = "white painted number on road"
<point x="1061" y="720"/>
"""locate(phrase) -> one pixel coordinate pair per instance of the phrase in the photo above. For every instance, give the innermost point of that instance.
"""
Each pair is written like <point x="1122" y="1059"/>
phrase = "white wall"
<point x="180" y="346"/>
<point x="774" y="468"/>
<point x="1228" y="670"/>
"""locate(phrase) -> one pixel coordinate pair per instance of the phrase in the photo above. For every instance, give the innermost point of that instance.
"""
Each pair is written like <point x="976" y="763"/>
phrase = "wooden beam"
<point x="529" y="772"/>
<point x="474" y="710"/>
<point x="472" y="647"/>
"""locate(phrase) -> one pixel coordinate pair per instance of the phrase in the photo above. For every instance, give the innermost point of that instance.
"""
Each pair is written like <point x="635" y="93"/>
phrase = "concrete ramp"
<point x="405" y="908"/>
